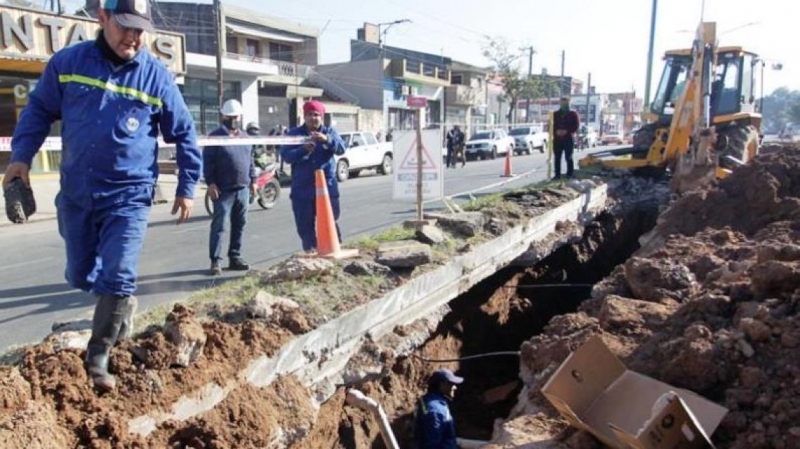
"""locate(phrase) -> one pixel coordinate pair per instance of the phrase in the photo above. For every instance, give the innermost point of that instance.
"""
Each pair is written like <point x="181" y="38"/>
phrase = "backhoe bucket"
<point x="697" y="167"/>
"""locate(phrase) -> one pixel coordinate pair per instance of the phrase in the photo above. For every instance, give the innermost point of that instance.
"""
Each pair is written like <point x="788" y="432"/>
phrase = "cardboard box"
<point x="595" y="392"/>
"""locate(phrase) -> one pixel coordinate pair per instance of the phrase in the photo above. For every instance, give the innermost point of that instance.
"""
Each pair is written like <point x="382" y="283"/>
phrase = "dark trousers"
<point x="305" y="219"/>
<point x="563" y="148"/>
<point x="231" y="204"/>
<point x="103" y="241"/>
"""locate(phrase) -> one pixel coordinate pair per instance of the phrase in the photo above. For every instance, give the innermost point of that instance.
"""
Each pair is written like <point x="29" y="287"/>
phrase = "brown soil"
<point x="56" y="383"/>
<point x="710" y="303"/>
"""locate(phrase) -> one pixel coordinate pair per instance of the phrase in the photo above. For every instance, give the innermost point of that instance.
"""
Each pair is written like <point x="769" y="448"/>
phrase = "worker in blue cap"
<point x="434" y="427"/>
<point x="113" y="99"/>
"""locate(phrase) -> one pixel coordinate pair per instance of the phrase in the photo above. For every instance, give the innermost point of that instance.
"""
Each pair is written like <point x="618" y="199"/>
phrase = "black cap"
<point x="444" y="374"/>
<point x="131" y="13"/>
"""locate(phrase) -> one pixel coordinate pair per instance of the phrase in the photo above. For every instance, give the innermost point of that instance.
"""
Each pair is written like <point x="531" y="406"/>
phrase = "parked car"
<point x="528" y="138"/>
<point x="489" y="144"/>
<point x="363" y="152"/>
<point x="611" y="139"/>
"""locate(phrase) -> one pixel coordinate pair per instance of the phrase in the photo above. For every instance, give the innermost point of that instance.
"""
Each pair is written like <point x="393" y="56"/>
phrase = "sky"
<point x="607" y="38"/>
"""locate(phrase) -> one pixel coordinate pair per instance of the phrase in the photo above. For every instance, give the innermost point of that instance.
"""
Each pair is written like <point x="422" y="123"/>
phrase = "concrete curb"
<point x="319" y="357"/>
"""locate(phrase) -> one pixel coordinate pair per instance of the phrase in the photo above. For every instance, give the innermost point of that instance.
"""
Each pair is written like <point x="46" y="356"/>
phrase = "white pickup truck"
<point x="528" y="138"/>
<point x="363" y="152"/>
<point x="488" y="144"/>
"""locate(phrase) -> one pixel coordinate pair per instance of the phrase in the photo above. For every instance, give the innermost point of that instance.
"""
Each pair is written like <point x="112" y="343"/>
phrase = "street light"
<point x="388" y="25"/>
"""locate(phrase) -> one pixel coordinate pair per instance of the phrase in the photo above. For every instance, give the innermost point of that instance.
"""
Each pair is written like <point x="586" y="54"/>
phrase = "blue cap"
<point x="445" y="374"/>
<point x="131" y="13"/>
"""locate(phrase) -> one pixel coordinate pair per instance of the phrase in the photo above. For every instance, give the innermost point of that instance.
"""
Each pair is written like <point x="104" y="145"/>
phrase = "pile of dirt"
<point x="52" y="388"/>
<point x="710" y="303"/>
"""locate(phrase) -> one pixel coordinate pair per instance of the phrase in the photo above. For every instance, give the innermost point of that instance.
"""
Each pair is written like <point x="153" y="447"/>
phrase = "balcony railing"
<point x="464" y="95"/>
<point x="284" y="68"/>
<point x="404" y="68"/>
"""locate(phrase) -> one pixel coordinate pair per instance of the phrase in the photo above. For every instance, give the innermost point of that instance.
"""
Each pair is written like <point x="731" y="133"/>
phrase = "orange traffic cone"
<point x="327" y="236"/>
<point x="508" y="173"/>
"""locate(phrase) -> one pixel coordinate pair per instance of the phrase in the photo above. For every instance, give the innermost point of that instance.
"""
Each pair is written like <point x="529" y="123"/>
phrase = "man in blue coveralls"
<point x="434" y="427"/>
<point x="317" y="154"/>
<point x="113" y="97"/>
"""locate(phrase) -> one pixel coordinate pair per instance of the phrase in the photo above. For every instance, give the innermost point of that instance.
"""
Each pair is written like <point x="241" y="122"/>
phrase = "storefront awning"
<point x="247" y="31"/>
<point x="11" y="63"/>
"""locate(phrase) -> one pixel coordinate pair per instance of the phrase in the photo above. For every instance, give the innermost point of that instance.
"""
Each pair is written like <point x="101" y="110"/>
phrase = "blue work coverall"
<point x="434" y="427"/>
<point x="303" y="195"/>
<point x="111" y="117"/>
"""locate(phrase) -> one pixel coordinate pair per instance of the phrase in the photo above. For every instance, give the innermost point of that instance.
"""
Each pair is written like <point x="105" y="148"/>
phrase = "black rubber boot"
<point x="126" y="329"/>
<point x="109" y="315"/>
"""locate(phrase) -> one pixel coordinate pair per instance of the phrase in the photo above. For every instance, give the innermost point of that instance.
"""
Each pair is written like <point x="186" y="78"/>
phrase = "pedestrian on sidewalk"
<point x="316" y="154"/>
<point x="565" y="123"/>
<point x="455" y="147"/>
<point x="230" y="172"/>
<point x="434" y="427"/>
<point x="112" y="97"/>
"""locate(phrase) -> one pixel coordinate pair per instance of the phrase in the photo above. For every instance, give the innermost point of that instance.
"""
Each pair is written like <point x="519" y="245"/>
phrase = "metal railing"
<point x="285" y="68"/>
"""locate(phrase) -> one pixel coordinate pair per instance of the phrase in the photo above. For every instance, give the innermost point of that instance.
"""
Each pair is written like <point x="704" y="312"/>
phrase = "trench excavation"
<point x="494" y="317"/>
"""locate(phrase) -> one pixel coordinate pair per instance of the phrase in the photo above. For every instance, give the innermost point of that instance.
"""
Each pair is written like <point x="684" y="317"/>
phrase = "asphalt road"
<point x="174" y="262"/>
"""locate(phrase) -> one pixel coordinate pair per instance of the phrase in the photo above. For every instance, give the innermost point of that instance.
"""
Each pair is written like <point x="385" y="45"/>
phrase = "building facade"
<point x="466" y="99"/>
<point x="265" y="62"/>
<point x="382" y="78"/>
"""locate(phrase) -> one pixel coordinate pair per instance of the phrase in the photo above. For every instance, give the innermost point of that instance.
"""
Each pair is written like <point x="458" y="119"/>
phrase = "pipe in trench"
<point x="358" y="399"/>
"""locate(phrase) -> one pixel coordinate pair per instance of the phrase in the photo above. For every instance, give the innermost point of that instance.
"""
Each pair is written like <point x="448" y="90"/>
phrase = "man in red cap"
<point x="316" y="154"/>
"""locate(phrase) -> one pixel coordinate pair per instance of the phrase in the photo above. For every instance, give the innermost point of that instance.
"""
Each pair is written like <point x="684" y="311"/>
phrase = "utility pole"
<point x="588" y="97"/>
<point x="530" y="81"/>
<point x="561" y="80"/>
<point x="649" y="77"/>
<point x="219" y="25"/>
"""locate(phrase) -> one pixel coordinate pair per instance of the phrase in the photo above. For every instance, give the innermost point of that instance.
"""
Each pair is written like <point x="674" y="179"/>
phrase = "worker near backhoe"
<point x="112" y="97"/>
<point x="565" y="124"/>
<point x="455" y="147"/>
<point x="317" y="153"/>
<point x="434" y="427"/>
<point x="230" y="174"/>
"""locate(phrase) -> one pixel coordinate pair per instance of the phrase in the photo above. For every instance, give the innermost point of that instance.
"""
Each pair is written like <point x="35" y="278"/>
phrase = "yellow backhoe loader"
<point x="703" y="121"/>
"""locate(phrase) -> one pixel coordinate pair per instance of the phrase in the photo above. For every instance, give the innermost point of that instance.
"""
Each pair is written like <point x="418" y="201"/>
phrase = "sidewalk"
<point x="46" y="187"/>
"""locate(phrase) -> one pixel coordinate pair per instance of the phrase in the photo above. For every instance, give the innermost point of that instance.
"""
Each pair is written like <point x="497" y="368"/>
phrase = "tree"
<point x="778" y="109"/>
<point x="515" y="85"/>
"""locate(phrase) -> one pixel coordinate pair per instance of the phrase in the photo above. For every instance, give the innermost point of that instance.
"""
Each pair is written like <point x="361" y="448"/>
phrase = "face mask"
<point x="231" y="123"/>
<point x="252" y="132"/>
<point x="565" y="107"/>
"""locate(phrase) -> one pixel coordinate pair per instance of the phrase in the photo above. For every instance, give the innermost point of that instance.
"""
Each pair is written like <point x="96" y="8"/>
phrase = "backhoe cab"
<point x="702" y="89"/>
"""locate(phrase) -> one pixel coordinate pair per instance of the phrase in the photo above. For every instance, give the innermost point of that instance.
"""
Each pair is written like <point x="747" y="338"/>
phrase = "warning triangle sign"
<point x="410" y="160"/>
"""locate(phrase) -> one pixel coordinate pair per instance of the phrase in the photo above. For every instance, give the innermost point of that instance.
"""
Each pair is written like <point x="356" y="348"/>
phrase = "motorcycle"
<point x="268" y="189"/>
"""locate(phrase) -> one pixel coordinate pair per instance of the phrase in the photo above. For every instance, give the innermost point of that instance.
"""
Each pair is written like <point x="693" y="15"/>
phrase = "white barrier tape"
<point x="54" y="143"/>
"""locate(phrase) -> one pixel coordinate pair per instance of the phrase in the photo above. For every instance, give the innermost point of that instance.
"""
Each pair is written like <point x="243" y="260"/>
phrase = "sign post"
<point x="422" y="170"/>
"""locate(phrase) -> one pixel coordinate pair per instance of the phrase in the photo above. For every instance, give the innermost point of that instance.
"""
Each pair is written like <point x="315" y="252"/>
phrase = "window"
<point x="371" y="140"/>
<point x="280" y="52"/>
<point x="726" y="85"/>
<point x="456" y="79"/>
<point x="358" y="141"/>
<point x="231" y="44"/>
<point x="252" y="48"/>
<point x="201" y="98"/>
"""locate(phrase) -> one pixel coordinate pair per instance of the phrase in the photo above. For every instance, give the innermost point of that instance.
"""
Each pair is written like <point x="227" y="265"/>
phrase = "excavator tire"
<point x="644" y="137"/>
<point x="735" y="140"/>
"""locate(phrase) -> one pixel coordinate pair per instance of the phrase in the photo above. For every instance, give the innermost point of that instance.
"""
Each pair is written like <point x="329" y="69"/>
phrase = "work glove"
<point x="20" y="203"/>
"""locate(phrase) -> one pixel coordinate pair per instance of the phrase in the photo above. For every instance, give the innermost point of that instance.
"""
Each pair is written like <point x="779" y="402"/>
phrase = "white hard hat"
<point x="232" y="108"/>
<point x="252" y="125"/>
